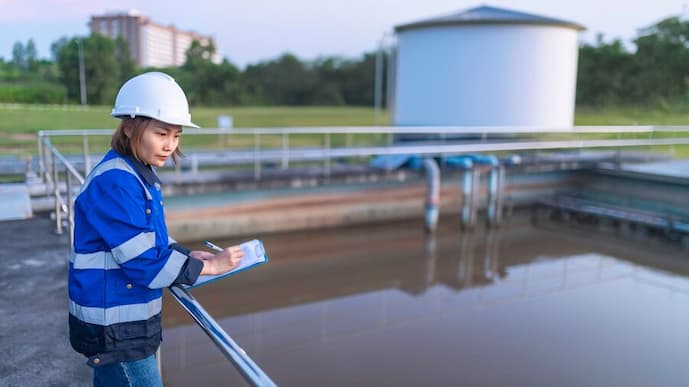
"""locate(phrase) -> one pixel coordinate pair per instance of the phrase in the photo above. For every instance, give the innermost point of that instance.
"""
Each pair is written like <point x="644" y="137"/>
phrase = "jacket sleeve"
<point x="117" y="209"/>
<point x="191" y="269"/>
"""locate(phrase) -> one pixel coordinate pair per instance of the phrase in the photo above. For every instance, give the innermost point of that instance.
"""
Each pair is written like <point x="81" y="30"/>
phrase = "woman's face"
<point x="158" y="141"/>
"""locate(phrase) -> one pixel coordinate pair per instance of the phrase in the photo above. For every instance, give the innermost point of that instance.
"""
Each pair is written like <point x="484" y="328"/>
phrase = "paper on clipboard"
<point x="254" y="254"/>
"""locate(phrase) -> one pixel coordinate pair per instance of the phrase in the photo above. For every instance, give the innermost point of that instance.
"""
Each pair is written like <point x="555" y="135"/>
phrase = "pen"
<point x="213" y="246"/>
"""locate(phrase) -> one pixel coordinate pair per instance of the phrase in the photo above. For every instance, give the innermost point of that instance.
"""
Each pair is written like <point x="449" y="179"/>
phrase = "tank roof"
<point x="490" y="16"/>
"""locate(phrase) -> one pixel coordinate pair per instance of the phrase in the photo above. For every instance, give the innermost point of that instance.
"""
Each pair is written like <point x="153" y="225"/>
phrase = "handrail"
<point x="326" y="152"/>
<point x="60" y="205"/>
<point x="430" y="130"/>
<point x="233" y="352"/>
<point x="63" y="160"/>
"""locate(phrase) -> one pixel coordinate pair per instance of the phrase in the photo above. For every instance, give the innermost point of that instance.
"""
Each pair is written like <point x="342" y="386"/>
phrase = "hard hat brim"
<point x="186" y="124"/>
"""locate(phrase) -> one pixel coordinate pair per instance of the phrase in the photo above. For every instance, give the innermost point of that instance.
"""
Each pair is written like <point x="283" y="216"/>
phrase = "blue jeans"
<point x="139" y="373"/>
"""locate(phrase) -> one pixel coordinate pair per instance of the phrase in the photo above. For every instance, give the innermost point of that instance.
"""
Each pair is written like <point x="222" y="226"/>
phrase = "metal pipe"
<point x="326" y="155"/>
<point x="391" y="81"/>
<point x="432" y="193"/>
<point x="257" y="155"/>
<point x="404" y="130"/>
<point x="285" y="151"/>
<point x="56" y="192"/>
<point x="469" y="181"/>
<point x="68" y="166"/>
<point x="378" y="84"/>
<point x="499" y="195"/>
<point x="194" y="163"/>
<point x="492" y="207"/>
<point x="87" y="158"/>
<point x="472" y="207"/>
<point x="251" y="372"/>
<point x="41" y="156"/>
<point x="48" y="165"/>
<point x="70" y="209"/>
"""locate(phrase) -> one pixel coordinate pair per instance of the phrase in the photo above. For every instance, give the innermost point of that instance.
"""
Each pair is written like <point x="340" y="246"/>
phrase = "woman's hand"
<point x="222" y="262"/>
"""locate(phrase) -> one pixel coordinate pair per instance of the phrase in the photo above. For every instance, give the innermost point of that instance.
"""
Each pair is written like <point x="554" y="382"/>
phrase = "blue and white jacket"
<point x="121" y="260"/>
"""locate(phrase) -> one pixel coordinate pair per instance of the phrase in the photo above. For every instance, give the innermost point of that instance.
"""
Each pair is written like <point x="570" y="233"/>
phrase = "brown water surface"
<point x="385" y="305"/>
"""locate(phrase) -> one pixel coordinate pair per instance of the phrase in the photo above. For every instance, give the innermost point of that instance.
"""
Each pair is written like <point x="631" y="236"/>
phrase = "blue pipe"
<point x="495" y="177"/>
<point x="432" y="194"/>
<point x="469" y="188"/>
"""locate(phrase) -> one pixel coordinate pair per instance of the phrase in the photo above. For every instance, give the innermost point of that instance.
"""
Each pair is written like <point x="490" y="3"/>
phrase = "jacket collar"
<point x="147" y="172"/>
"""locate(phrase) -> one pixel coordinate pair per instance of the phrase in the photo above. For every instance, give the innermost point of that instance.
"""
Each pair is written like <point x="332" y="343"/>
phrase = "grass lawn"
<point x="20" y="123"/>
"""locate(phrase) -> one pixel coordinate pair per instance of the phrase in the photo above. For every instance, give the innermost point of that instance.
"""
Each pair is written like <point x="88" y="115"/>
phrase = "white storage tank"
<point x="486" y="66"/>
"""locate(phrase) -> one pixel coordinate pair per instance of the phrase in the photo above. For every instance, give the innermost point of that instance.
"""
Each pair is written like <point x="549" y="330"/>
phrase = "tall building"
<point x="150" y="44"/>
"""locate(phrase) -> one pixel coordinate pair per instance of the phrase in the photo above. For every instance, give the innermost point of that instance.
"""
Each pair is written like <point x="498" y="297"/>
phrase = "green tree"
<point x="359" y="80"/>
<point x="284" y="81"/>
<point x="662" y="55"/>
<point x="605" y="73"/>
<point x="19" y="55"/>
<point x="206" y="82"/>
<point x="329" y="82"/>
<point x="56" y="46"/>
<point x="101" y="68"/>
<point x="30" y="55"/>
<point x="127" y="67"/>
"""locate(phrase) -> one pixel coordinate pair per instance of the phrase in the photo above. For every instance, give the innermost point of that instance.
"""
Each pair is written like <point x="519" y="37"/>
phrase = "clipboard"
<point x="254" y="255"/>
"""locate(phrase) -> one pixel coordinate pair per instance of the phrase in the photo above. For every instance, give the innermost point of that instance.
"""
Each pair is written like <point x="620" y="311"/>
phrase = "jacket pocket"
<point x="133" y="334"/>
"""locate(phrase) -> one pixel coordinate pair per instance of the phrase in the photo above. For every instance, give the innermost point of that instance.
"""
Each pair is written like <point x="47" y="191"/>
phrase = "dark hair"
<point x="129" y="146"/>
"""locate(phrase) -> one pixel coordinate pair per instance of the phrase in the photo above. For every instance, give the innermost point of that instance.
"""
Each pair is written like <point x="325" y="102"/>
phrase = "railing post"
<point x="70" y="208"/>
<point x="47" y="165"/>
<point x="326" y="156"/>
<point x="58" y="207"/>
<point x="285" y="150"/>
<point x="194" y="163"/>
<point x="257" y="156"/>
<point x="87" y="159"/>
<point x="41" y="156"/>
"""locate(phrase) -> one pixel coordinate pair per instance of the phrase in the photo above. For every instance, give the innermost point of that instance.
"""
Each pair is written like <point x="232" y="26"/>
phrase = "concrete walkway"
<point x="33" y="308"/>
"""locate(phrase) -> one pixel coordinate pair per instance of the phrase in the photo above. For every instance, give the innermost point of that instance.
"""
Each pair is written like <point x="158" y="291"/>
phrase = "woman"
<point x="123" y="257"/>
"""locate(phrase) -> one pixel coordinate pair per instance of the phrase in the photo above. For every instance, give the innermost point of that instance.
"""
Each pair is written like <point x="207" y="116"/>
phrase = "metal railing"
<point x="504" y="139"/>
<point x="258" y="153"/>
<point x="251" y="372"/>
<point x="52" y="180"/>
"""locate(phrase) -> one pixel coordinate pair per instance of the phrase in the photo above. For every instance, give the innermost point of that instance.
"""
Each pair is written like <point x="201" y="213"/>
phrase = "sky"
<point x="250" y="31"/>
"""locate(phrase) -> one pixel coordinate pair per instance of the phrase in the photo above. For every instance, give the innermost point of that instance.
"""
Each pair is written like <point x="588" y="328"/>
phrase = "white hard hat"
<point x="154" y="95"/>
